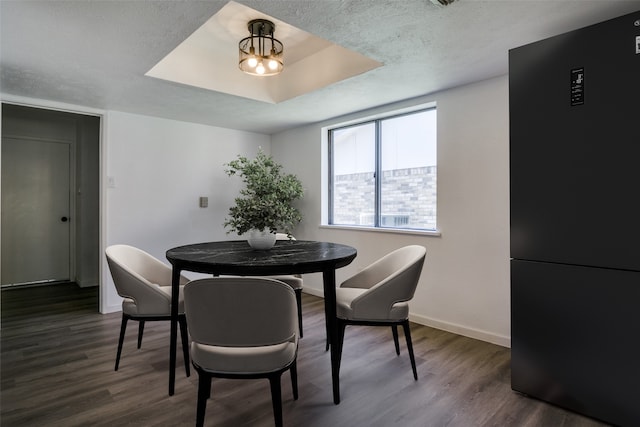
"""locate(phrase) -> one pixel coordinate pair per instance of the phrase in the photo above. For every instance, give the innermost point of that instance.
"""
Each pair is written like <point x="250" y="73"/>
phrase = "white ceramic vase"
<point x="261" y="239"/>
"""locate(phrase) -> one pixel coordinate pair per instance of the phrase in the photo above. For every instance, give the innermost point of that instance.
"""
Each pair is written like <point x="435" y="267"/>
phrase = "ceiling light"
<point x="261" y="53"/>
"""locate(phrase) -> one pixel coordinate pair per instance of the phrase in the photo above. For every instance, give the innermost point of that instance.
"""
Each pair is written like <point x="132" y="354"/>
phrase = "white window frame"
<point x="327" y="173"/>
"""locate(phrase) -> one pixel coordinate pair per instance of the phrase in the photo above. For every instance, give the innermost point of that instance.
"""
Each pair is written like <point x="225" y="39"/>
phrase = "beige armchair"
<point x="378" y="295"/>
<point x="145" y="284"/>
<point x="243" y="328"/>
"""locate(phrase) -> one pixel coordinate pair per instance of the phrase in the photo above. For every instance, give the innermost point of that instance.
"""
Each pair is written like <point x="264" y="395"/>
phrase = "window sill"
<point x="429" y="233"/>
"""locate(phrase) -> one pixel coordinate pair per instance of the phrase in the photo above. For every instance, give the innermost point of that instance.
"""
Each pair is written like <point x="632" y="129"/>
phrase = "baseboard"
<point x="501" y="340"/>
<point x="111" y="309"/>
<point x="465" y="331"/>
<point x="314" y="292"/>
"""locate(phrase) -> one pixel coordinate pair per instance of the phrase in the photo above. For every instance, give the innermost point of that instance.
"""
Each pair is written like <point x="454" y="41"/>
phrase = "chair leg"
<point x="182" y="321"/>
<point x="394" y="331"/>
<point x="123" y="327"/>
<point x="276" y="397"/>
<point x="204" y="393"/>
<point x="407" y="334"/>
<point x="299" y="303"/>
<point x="140" y="332"/>
<point x="293" y="370"/>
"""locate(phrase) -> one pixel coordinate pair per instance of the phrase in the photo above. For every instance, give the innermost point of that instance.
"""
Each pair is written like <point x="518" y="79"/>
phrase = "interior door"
<point x="35" y="211"/>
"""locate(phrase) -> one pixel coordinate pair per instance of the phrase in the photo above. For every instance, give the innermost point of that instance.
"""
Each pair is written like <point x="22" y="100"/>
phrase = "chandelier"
<point x="261" y="53"/>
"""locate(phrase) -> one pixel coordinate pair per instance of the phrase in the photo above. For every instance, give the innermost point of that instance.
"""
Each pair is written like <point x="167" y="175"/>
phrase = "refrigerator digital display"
<point x="577" y="86"/>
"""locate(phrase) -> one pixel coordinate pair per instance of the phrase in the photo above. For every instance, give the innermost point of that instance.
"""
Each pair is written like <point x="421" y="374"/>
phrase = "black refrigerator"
<point x="574" y="103"/>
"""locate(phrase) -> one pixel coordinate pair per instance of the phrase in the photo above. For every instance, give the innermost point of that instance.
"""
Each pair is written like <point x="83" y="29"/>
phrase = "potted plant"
<point x="264" y="206"/>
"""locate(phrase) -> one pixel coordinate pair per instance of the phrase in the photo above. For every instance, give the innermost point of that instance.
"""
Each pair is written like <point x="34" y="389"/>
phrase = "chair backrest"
<point x="137" y="275"/>
<point x="283" y="236"/>
<point x="389" y="280"/>
<point x="241" y="311"/>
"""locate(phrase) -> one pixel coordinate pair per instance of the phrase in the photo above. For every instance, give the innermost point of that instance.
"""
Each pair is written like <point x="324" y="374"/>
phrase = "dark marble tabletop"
<point x="236" y="257"/>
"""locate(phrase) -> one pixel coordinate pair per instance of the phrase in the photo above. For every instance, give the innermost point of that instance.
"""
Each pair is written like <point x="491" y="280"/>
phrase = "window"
<point x="383" y="172"/>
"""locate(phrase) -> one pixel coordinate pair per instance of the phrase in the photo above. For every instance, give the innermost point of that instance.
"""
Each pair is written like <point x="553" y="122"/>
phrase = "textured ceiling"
<point x="208" y="59"/>
<point x="96" y="53"/>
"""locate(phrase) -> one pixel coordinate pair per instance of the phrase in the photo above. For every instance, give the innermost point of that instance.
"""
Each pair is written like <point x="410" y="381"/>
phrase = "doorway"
<point x="50" y="197"/>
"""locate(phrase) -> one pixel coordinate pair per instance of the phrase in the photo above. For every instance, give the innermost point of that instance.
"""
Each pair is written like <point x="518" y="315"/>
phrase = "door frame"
<point x="103" y="303"/>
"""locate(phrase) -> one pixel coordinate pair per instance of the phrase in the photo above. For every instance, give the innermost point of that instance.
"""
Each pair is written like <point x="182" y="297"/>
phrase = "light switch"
<point x="111" y="182"/>
<point x="204" y="202"/>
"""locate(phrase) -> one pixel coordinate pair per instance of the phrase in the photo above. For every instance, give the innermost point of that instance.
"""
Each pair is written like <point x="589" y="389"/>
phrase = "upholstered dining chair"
<point x="293" y="280"/>
<point x="145" y="284"/>
<point x="378" y="295"/>
<point x="242" y="328"/>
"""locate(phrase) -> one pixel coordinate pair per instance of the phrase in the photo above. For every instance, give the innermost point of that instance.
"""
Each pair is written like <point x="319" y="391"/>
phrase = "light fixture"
<point x="261" y="53"/>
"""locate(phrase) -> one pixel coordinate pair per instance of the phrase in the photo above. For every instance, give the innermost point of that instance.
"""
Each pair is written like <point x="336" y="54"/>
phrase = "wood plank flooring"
<point x="58" y="354"/>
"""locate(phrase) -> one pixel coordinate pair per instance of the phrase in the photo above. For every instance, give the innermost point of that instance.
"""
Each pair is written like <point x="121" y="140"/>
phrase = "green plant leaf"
<point x="266" y="201"/>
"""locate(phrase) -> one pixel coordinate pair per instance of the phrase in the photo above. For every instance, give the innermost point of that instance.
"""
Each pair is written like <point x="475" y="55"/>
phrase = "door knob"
<point x="64" y="219"/>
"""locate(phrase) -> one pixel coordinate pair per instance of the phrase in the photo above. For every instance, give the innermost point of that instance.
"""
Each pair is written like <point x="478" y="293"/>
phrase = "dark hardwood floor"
<point x="58" y="354"/>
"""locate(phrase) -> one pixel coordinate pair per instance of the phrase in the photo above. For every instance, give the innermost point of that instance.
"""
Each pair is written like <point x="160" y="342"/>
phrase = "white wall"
<point x="160" y="168"/>
<point x="88" y="251"/>
<point x="464" y="287"/>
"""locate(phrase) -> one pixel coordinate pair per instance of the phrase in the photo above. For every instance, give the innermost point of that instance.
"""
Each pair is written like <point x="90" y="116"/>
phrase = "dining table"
<point x="237" y="258"/>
